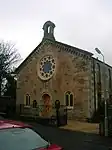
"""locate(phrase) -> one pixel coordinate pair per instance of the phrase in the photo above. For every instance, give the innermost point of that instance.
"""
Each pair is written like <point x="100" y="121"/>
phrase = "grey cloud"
<point x="83" y="23"/>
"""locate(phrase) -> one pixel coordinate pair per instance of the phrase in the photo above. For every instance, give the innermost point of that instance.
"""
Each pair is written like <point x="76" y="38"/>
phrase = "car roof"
<point x="7" y="124"/>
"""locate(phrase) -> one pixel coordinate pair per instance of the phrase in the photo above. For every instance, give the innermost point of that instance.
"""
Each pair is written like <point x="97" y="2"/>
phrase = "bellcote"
<point x="48" y="28"/>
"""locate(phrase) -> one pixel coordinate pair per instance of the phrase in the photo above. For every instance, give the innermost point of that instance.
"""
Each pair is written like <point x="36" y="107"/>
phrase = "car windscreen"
<point x="1" y="118"/>
<point x="20" y="139"/>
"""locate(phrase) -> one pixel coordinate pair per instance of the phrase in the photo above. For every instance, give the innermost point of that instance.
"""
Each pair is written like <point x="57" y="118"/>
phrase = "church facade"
<point x="57" y="71"/>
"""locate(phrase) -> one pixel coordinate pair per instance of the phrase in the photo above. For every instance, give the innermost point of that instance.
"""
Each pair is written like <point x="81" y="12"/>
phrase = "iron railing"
<point x="40" y="110"/>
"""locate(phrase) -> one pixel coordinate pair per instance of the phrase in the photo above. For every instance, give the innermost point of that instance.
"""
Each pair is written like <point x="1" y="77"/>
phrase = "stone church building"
<point x="57" y="71"/>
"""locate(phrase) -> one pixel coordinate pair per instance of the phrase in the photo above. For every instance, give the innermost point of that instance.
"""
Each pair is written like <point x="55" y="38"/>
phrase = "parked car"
<point x="1" y="118"/>
<point x="19" y="136"/>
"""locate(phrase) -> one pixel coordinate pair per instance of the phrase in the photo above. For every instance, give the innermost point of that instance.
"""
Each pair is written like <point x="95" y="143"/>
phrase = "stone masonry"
<point x="75" y="71"/>
<point x="72" y="74"/>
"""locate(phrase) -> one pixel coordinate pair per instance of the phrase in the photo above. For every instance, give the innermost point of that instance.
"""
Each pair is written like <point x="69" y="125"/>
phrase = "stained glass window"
<point x="47" y="67"/>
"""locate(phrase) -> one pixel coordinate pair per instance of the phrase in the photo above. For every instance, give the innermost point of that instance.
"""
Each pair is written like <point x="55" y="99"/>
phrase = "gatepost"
<point x="57" y="106"/>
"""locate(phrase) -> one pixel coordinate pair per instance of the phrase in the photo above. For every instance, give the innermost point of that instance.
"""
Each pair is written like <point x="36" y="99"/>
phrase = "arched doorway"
<point x="46" y="98"/>
<point x="46" y="105"/>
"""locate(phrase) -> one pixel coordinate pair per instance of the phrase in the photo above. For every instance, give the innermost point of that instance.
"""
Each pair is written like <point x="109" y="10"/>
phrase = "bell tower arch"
<point x="48" y="28"/>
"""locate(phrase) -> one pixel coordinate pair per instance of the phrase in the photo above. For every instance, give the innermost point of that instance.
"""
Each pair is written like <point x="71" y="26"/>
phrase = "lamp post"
<point x="105" y="92"/>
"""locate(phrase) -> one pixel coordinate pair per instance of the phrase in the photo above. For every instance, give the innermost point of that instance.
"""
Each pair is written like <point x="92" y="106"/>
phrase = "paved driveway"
<point x="74" y="140"/>
<point x="82" y="126"/>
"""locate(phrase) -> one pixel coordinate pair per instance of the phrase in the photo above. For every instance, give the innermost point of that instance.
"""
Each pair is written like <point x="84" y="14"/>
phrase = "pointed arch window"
<point x="69" y="99"/>
<point x="98" y="73"/>
<point x="27" y="100"/>
<point x="110" y="83"/>
<point x="34" y="104"/>
<point x="98" y="85"/>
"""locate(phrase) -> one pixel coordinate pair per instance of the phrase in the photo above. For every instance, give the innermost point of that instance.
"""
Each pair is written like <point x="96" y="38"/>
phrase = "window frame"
<point x="34" y="104"/>
<point x="27" y="103"/>
<point x="69" y="100"/>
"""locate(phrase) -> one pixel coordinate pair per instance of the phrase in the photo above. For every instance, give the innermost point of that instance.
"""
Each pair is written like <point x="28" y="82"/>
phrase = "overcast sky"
<point x="82" y="23"/>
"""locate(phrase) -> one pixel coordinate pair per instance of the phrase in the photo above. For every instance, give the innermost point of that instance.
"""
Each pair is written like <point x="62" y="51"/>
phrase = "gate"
<point x="7" y="105"/>
<point x="62" y="116"/>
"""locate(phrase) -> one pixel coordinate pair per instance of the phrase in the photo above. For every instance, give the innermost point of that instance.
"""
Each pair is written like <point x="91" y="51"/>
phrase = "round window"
<point x="47" y="67"/>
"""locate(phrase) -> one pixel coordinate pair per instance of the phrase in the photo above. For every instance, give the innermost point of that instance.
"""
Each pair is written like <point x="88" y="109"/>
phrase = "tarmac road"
<point x="71" y="140"/>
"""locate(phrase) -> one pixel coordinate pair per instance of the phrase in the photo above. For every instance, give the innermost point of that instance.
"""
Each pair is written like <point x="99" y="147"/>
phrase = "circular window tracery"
<point x="47" y="67"/>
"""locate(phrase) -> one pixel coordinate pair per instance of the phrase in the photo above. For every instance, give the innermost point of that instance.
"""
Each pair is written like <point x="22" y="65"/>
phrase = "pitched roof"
<point x="72" y="48"/>
<point x="17" y="69"/>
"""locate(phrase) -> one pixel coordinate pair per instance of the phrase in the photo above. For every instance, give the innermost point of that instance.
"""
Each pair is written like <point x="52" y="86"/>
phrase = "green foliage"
<point x="10" y="87"/>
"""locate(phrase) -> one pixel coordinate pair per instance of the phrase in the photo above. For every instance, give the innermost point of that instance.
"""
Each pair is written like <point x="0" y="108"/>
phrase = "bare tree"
<point x="9" y="56"/>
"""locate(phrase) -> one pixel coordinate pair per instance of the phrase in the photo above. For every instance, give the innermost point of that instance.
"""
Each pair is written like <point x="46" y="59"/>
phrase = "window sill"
<point x="27" y="106"/>
<point x="70" y="107"/>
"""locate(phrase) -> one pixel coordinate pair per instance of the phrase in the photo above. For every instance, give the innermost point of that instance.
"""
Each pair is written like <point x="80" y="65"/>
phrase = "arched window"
<point x="49" y="29"/>
<point x="110" y="83"/>
<point x="69" y="99"/>
<point x="34" y="104"/>
<point x="98" y="73"/>
<point x="98" y="77"/>
<point x="27" y="99"/>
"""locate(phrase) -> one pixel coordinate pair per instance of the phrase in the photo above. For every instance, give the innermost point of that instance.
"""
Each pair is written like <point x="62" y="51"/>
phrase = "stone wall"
<point x="73" y="72"/>
<point x="105" y="79"/>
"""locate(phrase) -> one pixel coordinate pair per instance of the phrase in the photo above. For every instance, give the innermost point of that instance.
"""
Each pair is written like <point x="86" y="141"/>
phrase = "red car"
<point x="19" y="136"/>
